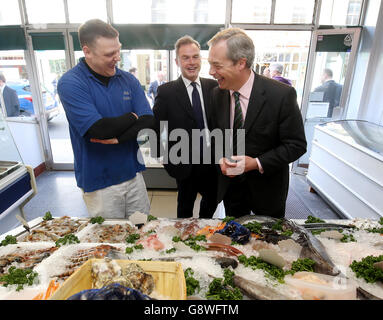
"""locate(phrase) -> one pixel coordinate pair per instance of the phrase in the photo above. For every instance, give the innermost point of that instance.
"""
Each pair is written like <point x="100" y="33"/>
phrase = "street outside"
<point x="60" y="140"/>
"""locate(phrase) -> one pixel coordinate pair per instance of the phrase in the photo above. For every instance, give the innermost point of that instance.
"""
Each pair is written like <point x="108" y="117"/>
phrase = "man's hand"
<point x="240" y="165"/>
<point x="248" y="163"/>
<point x="105" y="141"/>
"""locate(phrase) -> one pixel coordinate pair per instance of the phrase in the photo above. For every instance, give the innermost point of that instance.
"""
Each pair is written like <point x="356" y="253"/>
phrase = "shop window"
<point x="79" y="11"/>
<point x="42" y="11"/>
<point x="11" y="14"/>
<point x="294" y="11"/>
<point x="251" y="11"/>
<point x="168" y="12"/>
<point x="282" y="46"/>
<point x="13" y="68"/>
<point x="340" y="12"/>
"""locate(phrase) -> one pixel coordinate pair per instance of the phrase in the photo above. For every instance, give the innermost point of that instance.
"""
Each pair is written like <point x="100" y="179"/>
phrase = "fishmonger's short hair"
<point x="239" y="45"/>
<point x="93" y="29"/>
<point x="184" y="41"/>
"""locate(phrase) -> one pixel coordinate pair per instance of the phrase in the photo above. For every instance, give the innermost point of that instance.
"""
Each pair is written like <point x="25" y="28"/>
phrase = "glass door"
<point x="327" y="85"/>
<point x="51" y="62"/>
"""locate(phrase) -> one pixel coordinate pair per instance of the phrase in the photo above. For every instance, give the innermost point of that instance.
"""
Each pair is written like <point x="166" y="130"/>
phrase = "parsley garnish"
<point x="224" y="289"/>
<point x="19" y="277"/>
<point x="48" y="216"/>
<point x="192" y="284"/>
<point x="132" y="238"/>
<point x="312" y="219"/>
<point x="365" y="269"/>
<point x="97" y="219"/>
<point x="67" y="239"/>
<point x="8" y="240"/>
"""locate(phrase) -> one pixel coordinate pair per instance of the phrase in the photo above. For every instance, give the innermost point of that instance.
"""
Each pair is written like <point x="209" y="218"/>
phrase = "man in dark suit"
<point x="153" y="87"/>
<point x="9" y="102"/>
<point x="184" y="103"/>
<point x="257" y="179"/>
<point x="331" y="91"/>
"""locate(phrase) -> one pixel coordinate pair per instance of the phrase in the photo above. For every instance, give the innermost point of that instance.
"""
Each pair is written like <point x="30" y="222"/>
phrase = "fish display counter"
<point x="252" y="257"/>
<point x="17" y="181"/>
<point x="346" y="167"/>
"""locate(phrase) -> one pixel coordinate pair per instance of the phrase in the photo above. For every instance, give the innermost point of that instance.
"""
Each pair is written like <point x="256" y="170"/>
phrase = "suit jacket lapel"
<point x="224" y="110"/>
<point x="206" y="97"/>
<point x="256" y="102"/>
<point x="183" y="97"/>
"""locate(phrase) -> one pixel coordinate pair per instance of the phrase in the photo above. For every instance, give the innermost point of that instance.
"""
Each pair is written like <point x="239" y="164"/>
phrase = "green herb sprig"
<point x="192" y="284"/>
<point x="171" y="250"/>
<point x="312" y="219"/>
<point x="365" y="269"/>
<point x="8" y="240"/>
<point x="300" y="265"/>
<point x="224" y="289"/>
<point x="257" y="263"/>
<point x="348" y="238"/>
<point x="254" y="227"/>
<point x="19" y="277"/>
<point x="319" y="231"/>
<point x="375" y="230"/>
<point x="130" y="250"/>
<point x="192" y="242"/>
<point x="287" y="233"/>
<point x="132" y="238"/>
<point x="275" y="272"/>
<point x="97" y="219"/>
<point x="67" y="239"/>
<point x="48" y="216"/>
<point x="277" y="225"/>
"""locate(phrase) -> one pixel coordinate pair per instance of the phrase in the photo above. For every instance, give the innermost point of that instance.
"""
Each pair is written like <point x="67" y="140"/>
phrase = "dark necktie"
<point x="238" y="120"/>
<point x="197" y="106"/>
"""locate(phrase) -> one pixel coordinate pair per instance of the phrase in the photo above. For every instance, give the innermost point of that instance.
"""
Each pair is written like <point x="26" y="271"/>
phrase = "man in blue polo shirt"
<point x="106" y="108"/>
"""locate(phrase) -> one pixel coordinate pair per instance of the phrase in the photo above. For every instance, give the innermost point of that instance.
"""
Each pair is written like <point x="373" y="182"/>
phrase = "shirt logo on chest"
<point x="127" y="95"/>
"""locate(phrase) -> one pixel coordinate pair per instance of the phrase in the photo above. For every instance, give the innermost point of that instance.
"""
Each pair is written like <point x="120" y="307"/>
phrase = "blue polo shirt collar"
<point x="90" y="75"/>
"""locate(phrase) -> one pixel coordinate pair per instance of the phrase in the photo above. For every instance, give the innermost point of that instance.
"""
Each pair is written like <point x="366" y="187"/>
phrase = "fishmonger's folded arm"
<point x="107" y="128"/>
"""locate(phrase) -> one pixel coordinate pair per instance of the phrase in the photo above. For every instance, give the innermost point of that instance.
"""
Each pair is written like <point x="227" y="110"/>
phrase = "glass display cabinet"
<point x="155" y="174"/>
<point x="346" y="167"/>
<point x="17" y="181"/>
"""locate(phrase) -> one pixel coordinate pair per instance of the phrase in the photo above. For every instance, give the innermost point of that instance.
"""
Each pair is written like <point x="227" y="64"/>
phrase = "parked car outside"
<point x="23" y="90"/>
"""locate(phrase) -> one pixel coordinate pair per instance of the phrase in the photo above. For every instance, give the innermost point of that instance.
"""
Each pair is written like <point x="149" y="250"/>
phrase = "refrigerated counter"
<point x="17" y="181"/>
<point x="346" y="167"/>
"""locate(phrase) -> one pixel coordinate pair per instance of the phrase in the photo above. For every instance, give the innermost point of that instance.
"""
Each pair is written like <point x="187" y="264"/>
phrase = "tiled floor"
<point x="58" y="193"/>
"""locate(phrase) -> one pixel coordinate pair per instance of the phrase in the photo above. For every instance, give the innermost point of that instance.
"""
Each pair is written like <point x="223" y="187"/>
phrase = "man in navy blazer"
<point x="331" y="91"/>
<point x="184" y="104"/>
<point x="256" y="179"/>
<point x="8" y="99"/>
<point x="153" y="87"/>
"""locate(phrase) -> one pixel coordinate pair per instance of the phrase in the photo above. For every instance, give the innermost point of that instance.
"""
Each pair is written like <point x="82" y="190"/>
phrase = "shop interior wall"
<point x="366" y="99"/>
<point x="371" y="106"/>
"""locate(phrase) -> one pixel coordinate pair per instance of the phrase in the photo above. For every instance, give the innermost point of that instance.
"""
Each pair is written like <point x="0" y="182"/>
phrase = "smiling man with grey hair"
<point x="268" y="112"/>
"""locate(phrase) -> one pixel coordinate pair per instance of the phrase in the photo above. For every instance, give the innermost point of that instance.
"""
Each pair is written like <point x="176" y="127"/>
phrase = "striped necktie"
<point x="238" y="120"/>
